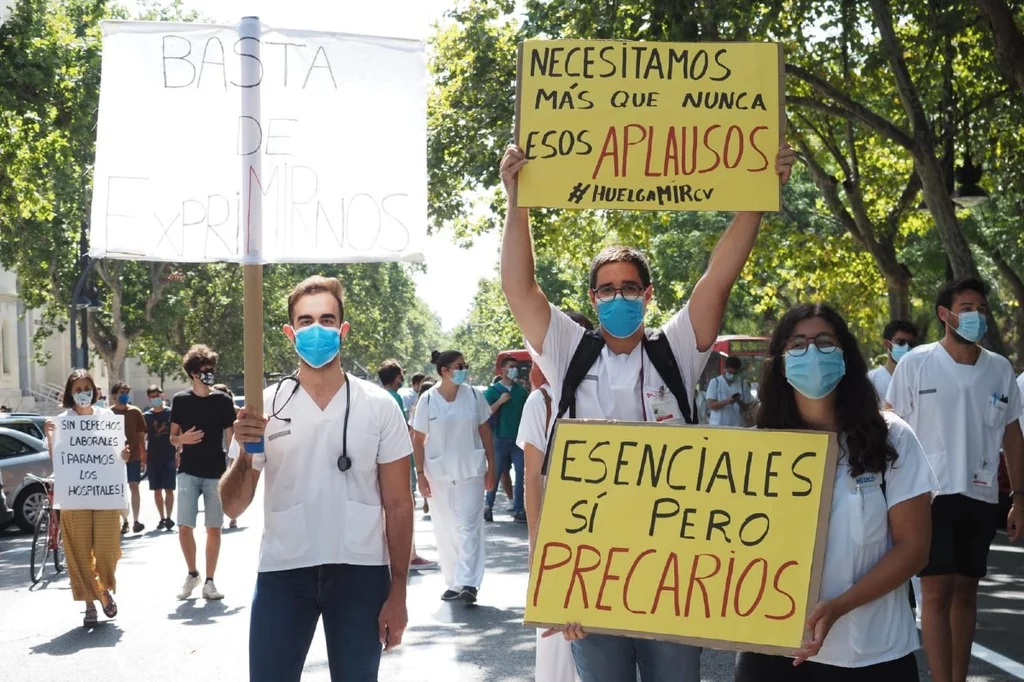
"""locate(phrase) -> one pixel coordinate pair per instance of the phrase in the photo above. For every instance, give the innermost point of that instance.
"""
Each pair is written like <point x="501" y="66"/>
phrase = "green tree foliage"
<point x="883" y="98"/>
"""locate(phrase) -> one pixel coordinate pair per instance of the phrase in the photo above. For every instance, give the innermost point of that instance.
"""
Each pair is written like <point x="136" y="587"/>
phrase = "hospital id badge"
<point x="664" y="410"/>
<point x="983" y="478"/>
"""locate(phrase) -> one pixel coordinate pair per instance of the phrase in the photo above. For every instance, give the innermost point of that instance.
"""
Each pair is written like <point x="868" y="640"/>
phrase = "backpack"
<point x="658" y="350"/>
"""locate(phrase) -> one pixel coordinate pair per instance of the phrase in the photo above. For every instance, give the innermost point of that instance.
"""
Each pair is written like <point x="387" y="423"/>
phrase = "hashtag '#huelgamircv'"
<point x="578" y="192"/>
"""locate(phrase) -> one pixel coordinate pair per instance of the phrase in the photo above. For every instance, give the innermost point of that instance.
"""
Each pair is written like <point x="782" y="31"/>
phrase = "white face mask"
<point x="511" y="373"/>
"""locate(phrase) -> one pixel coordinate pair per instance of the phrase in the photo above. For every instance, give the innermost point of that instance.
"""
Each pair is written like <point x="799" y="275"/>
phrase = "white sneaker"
<point x="210" y="591"/>
<point x="191" y="583"/>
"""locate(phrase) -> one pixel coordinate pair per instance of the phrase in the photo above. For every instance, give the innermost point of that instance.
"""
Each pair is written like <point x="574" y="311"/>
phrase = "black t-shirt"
<point x="211" y="415"/>
<point x="158" y="436"/>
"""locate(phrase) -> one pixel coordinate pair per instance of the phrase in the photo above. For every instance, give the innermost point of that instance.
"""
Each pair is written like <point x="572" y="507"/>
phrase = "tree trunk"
<point x="114" y="358"/>
<point x="1009" y="43"/>
<point x="940" y="205"/>
<point x="899" y="294"/>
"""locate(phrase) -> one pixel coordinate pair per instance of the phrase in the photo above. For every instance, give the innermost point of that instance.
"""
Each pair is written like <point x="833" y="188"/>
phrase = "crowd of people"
<point x="915" y="488"/>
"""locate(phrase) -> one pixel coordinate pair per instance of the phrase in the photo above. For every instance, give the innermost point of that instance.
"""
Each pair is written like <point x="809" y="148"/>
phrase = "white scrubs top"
<point x="454" y="450"/>
<point x="314" y="513"/>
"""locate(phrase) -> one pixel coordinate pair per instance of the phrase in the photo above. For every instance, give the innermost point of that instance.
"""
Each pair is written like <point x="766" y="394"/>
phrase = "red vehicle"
<point x="525" y="365"/>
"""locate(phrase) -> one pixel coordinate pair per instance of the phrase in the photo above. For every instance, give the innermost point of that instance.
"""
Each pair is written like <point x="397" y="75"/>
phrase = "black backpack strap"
<point x="583" y="358"/>
<point x="657" y="347"/>
<point x="586" y="354"/>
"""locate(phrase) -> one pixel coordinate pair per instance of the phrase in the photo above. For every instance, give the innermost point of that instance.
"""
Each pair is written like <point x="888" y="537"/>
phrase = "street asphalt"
<point x="156" y="638"/>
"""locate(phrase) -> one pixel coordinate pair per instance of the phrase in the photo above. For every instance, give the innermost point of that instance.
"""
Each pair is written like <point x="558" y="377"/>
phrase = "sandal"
<point x="91" y="619"/>
<point x="110" y="607"/>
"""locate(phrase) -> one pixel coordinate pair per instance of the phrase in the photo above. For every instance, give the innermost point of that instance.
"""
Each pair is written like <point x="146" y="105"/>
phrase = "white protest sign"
<point x="88" y="472"/>
<point x="340" y="138"/>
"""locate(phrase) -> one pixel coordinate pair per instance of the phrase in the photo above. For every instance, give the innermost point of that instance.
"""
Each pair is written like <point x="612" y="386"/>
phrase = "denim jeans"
<point x="508" y="455"/>
<point x="287" y="605"/>
<point x="608" y="658"/>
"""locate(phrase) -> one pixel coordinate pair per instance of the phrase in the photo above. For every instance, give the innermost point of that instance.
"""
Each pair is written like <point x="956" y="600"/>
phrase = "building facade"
<point x="27" y="385"/>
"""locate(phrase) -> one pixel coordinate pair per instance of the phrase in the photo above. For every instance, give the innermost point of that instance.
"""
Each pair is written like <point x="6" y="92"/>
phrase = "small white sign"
<point x="88" y="472"/>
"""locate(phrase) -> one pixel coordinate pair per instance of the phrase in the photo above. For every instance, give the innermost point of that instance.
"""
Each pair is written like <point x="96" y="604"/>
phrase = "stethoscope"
<point x="344" y="461"/>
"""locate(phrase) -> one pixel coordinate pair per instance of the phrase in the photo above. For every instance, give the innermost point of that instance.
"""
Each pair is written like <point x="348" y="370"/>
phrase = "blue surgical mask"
<point x="459" y="376"/>
<point x="83" y="398"/>
<point x="973" y="326"/>
<point x="122" y="399"/>
<point x="729" y="376"/>
<point x="620" y="317"/>
<point x="317" y="345"/>
<point x="815" y="374"/>
<point x="156" y="402"/>
<point x="511" y="373"/>
<point x="102" y="402"/>
<point x="899" y="351"/>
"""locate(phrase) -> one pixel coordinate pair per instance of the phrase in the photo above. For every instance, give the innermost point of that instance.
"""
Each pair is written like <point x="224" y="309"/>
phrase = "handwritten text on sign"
<point x="649" y="126"/>
<point x="706" y="535"/>
<point x="88" y="471"/>
<point x="340" y="135"/>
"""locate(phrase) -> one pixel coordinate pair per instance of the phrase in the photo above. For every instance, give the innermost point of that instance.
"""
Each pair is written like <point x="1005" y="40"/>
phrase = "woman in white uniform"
<point x="879" y="531"/>
<point x="554" y="654"/>
<point x="454" y="454"/>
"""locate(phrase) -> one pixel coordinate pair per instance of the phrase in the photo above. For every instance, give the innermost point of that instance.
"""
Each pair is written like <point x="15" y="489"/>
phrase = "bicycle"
<point x="47" y="536"/>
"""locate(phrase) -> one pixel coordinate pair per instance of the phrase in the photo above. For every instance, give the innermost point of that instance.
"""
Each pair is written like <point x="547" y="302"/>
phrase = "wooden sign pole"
<point x="252" y="204"/>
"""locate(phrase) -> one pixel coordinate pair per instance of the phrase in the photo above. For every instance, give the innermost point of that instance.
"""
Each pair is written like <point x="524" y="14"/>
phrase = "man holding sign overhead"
<point x="619" y="371"/>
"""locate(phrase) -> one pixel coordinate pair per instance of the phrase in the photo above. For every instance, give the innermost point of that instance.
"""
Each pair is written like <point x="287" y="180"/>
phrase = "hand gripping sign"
<point x="703" y="535"/>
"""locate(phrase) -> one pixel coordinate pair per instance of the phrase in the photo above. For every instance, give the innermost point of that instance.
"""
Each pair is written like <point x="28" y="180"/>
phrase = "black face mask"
<point x="207" y="378"/>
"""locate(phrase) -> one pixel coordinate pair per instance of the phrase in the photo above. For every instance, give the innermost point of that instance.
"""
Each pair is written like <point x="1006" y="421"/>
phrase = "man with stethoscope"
<point x="338" y="511"/>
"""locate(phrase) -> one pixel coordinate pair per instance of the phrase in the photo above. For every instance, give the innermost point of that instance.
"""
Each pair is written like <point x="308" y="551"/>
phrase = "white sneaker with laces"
<point x="210" y="591"/>
<point x="191" y="583"/>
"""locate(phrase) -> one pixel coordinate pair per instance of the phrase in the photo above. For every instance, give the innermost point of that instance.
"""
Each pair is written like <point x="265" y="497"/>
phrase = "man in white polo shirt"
<point x="622" y="382"/>
<point x="964" y="403"/>
<point x="337" y="505"/>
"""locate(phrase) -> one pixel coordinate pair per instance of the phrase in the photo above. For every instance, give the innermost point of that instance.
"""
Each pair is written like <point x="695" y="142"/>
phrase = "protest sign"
<point x="709" y="536"/>
<point x="88" y="472"/>
<point x="199" y="124"/>
<point x="649" y="126"/>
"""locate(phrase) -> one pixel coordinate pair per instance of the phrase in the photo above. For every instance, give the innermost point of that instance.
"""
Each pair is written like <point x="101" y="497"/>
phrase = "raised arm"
<point x="527" y="302"/>
<point x="710" y="295"/>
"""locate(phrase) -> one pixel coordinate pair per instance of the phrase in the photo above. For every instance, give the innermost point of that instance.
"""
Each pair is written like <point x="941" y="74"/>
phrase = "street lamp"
<point x="968" y="192"/>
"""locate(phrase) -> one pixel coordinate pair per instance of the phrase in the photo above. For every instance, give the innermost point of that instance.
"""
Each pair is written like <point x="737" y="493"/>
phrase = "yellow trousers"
<point x="92" y="546"/>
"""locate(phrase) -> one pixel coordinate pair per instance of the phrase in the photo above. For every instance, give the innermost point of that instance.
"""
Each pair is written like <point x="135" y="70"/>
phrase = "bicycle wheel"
<point x="40" y="544"/>
<point x="58" y="546"/>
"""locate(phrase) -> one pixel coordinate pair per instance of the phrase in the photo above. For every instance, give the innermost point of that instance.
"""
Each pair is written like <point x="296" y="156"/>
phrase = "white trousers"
<point x="554" y="660"/>
<point x="457" y="509"/>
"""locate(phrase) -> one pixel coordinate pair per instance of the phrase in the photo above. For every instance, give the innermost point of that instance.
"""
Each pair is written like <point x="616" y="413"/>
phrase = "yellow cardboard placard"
<point x="705" y="535"/>
<point x="649" y="126"/>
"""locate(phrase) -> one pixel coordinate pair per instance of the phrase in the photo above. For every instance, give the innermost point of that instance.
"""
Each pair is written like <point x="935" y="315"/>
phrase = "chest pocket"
<point x="995" y="414"/>
<point x="868" y="510"/>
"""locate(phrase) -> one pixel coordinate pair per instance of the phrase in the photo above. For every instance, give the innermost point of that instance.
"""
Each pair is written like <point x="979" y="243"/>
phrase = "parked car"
<point x="21" y="454"/>
<point x="28" y="425"/>
<point x="6" y="513"/>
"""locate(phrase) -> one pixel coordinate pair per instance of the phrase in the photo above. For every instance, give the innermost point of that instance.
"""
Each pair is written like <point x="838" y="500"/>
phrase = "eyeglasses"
<point x="825" y="343"/>
<point x="630" y="291"/>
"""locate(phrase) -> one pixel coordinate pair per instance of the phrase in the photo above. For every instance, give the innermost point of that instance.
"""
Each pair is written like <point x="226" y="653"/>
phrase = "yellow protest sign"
<point x="649" y="126"/>
<point x="712" y="536"/>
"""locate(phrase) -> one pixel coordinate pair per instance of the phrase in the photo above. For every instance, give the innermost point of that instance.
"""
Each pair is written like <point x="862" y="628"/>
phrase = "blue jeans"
<point x="287" y="605"/>
<point x="508" y="455"/>
<point x="608" y="658"/>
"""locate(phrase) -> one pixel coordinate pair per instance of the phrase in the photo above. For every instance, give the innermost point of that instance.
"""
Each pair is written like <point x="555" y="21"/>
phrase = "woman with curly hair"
<point x="880" y="525"/>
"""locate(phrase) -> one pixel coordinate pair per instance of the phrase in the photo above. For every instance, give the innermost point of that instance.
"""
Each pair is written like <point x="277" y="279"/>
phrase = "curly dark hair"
<point x="857" y="410"/>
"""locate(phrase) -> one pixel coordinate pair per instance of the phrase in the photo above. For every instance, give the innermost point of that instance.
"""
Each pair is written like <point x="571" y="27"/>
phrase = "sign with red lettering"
<point x="649" y="126"/>
<point x="703" y="535"/>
